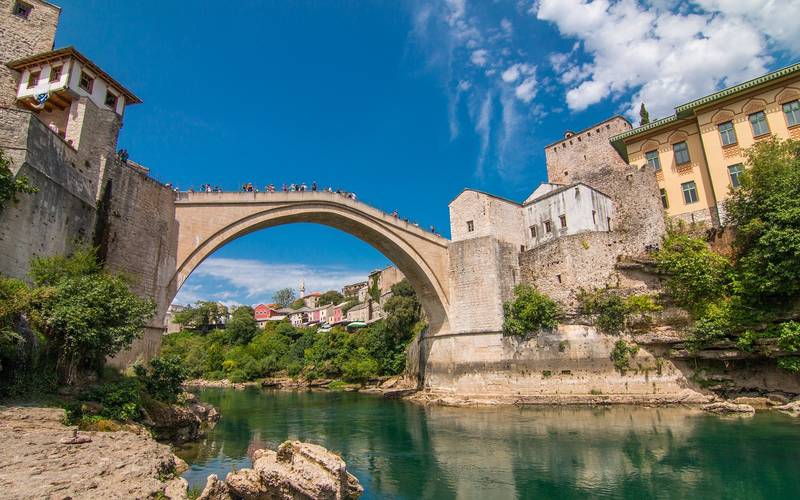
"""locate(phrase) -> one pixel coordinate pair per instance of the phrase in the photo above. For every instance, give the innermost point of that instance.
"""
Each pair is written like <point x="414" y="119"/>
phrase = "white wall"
<point x="576" y="203"/>
<point x="70" y="78"/>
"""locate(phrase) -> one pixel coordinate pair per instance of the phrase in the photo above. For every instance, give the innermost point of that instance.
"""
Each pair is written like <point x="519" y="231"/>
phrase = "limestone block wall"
<point x="570" y="362"/>
<point x="21" y="38"/>
<point x="483" y="273"/>
<point x="57" y="218"/>
<point x="489" y="215"/>
<point x="138" y="236"/>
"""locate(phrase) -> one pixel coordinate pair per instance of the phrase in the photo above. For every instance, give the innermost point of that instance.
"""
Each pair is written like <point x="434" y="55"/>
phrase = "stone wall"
<point x="20" y="38"/>
<point x="489" y="215"/>
<point x="57" y="218"/>
<point x="572" y="362"/>
<point x="483" y="273"/>
<point x="138" y="236"/>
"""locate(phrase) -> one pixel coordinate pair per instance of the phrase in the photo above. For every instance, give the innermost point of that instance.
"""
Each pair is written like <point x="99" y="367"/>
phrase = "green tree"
<point x="202" y="316"/>
<point x="15" y="297"/>
<point x="330" y="297"/>
<point x="765" y="209"/>
<point x="9" y="185"/>
<point x="163" y="379"/>
<point x="297" y="304"/>
<point x="529" y="312"/>
<point x="85" y="313"/>
<point x="242" y="326"/>
<point x="284" y="297"/>
<point x="644" y="116"/>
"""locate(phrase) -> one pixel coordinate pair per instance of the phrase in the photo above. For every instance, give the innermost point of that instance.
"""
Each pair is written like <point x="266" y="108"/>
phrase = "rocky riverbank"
<point x="388" y="386"/>
<point x="40" y="457"/>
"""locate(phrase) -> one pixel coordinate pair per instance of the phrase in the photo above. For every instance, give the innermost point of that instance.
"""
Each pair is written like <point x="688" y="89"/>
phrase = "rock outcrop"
<point x="296" y="470"/>
<point x="725" y="407"/>
<point x="792" y="408"/>
<point x="180" y="424"/>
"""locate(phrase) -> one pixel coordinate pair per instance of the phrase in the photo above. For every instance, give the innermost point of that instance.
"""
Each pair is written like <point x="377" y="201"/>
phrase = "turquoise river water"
<point x="403" y="450"/>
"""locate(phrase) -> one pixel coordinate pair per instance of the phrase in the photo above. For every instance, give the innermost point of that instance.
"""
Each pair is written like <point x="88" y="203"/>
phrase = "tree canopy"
<point x="284" y="297"/>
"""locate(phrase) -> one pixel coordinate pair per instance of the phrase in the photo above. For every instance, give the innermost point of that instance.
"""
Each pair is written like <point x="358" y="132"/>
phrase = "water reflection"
<point x="400" y="450"/>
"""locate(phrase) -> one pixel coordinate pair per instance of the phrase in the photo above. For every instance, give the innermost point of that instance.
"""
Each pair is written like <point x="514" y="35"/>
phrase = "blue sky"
<point x="403" y="102"/>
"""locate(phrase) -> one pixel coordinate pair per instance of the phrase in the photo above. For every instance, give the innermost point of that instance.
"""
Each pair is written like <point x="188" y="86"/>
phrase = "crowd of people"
<point x="248" y="187"/>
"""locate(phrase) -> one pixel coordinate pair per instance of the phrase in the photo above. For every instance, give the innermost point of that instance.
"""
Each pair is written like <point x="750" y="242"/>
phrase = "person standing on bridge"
<point x="314" y="186"/>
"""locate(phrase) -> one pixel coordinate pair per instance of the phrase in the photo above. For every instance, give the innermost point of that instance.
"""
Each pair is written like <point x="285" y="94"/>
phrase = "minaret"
<point x="302" y="288"/>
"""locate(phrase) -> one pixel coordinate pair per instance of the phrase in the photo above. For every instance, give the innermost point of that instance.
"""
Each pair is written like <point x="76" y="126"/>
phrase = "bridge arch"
<point x="208" y="221"/>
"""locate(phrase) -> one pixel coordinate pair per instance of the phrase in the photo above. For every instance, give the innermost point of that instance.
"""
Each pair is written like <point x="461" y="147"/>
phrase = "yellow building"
<point x="697" y="153"/>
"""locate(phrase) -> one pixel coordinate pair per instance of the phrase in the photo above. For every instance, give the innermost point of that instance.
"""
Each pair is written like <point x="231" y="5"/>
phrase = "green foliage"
<point x="202" y="317"/>
<point x="790" y="364"/>
<point x="330" y="297"/>
<point x="164" y="378"/>
<point x="11" y="186"/>
<point x="789" y="336"/>
<point x="612" y="312"/>
<point x="14" y="303"/>
<point x="696" y="275"/>
<point x="376" y="350"/>
<point x="350" y="304"/>
<point x="242" y="326"/>
<point x="297" y="304"/>
<point x="766" y="211"/>
<point x="622" y="354"/>
<point x="86" y="314"/>
<point x="374" y="288"/>
<point x="284" y="297"/>
<point x="120" y="400"/>
<point x="529" y="312"/>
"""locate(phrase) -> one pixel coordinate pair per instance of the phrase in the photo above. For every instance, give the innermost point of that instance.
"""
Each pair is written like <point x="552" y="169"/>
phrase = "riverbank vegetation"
<point x="753" y="293"/>
<point x="57" y="332"/>
<point x="10" y="185"/>
<point x="243" y="352"/>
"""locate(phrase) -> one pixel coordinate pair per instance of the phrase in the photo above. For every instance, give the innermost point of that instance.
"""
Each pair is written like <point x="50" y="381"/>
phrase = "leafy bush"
<point x="612" y="312"/>
<point x="789" y="336"/>
<point x="696" y="275"/>
<point x="164" y="378"/>
<point x="9" y="185"/>
<point x="790" y="364"/>
<point x="622" y="354"/>
<point x="242" y="327"/>
<point x="360" y="368"/>
<point x="120" y="400"/>
<point x="530" y="311"/>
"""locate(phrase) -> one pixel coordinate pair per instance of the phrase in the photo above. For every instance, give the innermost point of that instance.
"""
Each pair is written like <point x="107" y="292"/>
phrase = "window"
<point x="653" y="160"/>
<point x="470" y="224"/>
<point x="111" y="102"/>
<point x="735" y="171"/>
<point x="548" y="227"/>
<point x="759" y="123"/>
<point x="681" y="151"/>
<point x="792" y="111"/>
<point x="55" y="73"/>
<point x="689" y="192"/>
<point x="33" y="78"/>
<point x="563" y="219"/>
<point x="23" y="10"/>
<point x="727" y="133"/>
<point x="86" y="82"/>
<point x="533" y="231"/>
<point x="664" y="200"/>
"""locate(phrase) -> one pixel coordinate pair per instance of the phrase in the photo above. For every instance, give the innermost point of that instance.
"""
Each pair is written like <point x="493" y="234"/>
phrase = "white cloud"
<point x="511" y="74"/>
<point x="225" y="279"/>
<point x="506" y="26"/>
<point x="526" y="91"/>
<point x="479" y="57"/>
<point x="663" y="57"/>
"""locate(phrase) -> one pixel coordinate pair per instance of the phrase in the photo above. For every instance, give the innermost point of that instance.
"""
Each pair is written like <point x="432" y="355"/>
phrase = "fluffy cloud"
<point x="480" y="57"/>
<point x="664" y="56"/>
<point x="245" y="280"/>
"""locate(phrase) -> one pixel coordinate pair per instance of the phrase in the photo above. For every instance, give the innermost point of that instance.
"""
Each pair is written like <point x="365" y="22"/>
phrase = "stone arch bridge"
<point x="207" y="221"/>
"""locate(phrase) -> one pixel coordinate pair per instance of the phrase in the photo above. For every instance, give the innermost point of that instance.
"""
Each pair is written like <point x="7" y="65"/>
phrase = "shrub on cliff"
<point x="163" y="379"/>
<point x="10" y="186"/>
<point x="622" y="354"/>
<point x="529" y="312"/>
<point x="613" y="313"/>
<point x="85" y="313"/>
<point x="765" y="209"/>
